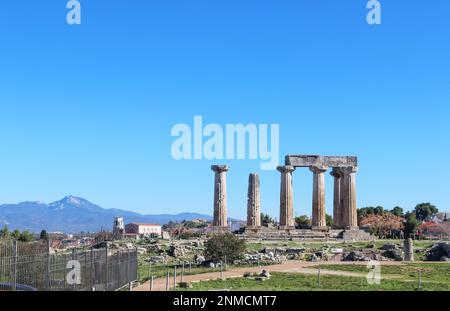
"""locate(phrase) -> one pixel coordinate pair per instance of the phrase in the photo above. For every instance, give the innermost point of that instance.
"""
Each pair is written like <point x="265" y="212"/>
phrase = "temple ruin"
<point x="342" y="169"/>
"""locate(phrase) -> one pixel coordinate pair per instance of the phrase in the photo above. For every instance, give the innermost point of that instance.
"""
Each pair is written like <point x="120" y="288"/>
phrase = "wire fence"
<point x="31" y="266"/>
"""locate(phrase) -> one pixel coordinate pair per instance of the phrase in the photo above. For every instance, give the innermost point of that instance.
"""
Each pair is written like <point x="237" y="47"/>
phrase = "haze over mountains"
<point x="73" y="214"/>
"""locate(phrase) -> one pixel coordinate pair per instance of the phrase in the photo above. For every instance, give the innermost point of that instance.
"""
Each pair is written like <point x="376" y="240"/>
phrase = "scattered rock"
<point x="199" y="259"/>
<point x="395" y="254"/>
<point x="265" y="274"/>
<point x="356" y="256"/>
<point x="157" y="259"/>
<point x="185" y="285"/>
<point x="141" y="250"/>
<point x="390" y="247"/>
<point x="176" y="251"/>
<point x="438" y="251"/>
<point x="314" y="258"/>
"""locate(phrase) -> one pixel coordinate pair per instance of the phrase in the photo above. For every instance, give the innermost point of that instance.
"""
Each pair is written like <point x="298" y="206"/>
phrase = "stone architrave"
<point x="286" y="198"/>
<point x="337" y="199"/>
<point x="350" y="219"/>
<point x="220" y="196"/>
<point x="253" y="202"/>
<point x="318" y="202"/>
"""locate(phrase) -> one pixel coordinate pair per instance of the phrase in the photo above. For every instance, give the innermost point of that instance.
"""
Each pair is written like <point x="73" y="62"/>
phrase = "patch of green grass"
<point x="159" y="271"/>
<point x="431" y="272"/>
<point x="300" y="282"/>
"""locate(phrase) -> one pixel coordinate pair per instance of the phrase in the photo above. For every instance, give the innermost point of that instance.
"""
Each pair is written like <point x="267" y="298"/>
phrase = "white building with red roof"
<point x="143" y="229"/>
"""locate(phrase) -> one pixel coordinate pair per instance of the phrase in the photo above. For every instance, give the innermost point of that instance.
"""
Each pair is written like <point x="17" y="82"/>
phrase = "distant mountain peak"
<point x="73" y="200"/>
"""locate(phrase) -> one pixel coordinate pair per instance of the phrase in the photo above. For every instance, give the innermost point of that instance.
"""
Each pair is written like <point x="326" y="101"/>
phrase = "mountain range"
<point x="73" y="214"/>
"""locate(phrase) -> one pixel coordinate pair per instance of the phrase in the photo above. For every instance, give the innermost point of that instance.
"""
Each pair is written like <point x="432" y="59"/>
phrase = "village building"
<point x="142" y="229"/>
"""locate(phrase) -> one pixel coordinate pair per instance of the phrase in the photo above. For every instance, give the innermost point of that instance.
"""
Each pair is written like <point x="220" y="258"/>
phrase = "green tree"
<point x="266" y="220"/>
<point x="4" y="233"/>
<point x="411" y="223"/>
<point x="329" y="220"/>
<point x="15" y="235"/>
<point x="379" y="210"/>
<point x="26" y="236"/>
<point x="43" y="235"/>
<point x="424" y="211"/>
<point x="224" y="246"/>
<point x="304" y="222"/>
<point x="398" y="211"/>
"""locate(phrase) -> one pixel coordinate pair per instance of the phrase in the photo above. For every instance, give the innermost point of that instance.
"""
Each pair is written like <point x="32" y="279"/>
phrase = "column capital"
<point x="337" y="172"/>
<point x="350" y="170"/>
<point x="286" y="169"/>
<point x="318" y="169"/>
<point x="220" y="168"/>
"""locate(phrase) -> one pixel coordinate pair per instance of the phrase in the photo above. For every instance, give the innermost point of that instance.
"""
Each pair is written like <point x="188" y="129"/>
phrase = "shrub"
<point x="224" y="246"/>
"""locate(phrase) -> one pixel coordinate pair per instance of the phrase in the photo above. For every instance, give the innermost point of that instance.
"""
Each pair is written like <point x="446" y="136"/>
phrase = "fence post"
<point x="149" y="272"/>
<point x="151" y="282"/>
<point x="92" y="269"/>
<point x="167" y="281"/>
<point x="106" y="265"/>
<point x="49" y="277"/>
<point x="182" y="273"/>
<point x="175" y="276"/>
<point x="14" y="274"/>
<point x="221" y="269"/>
<point x="318" y="277"/>
<point x="65" y="271"/>
<point x="419" y="280"/>
<point x="74" y="257"/>
<point x="190" y="266"/>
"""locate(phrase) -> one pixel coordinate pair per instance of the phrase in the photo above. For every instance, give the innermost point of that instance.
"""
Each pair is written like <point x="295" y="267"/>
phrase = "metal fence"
<point x="30" y="266"/>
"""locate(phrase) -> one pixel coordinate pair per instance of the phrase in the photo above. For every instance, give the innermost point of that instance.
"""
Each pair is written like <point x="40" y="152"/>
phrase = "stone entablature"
<point x="316" y="160"/>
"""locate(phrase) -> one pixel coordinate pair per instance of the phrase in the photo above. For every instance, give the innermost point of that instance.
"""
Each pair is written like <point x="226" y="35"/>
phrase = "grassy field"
<point x="432" y="272"/>
<point x="435" y="277"/>
<point x="159" y="271"/>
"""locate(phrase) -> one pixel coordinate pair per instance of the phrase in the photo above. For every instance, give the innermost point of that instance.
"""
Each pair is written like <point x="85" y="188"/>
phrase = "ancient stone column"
<point x="318" y="202"/>
<point x="220" y="196"/>
<point x="408" y="250"/>
<point x="337" y="200"/>
<point x="286" y="198"/>
<point x="350" y="219"/>
<point x="253" y="202"/>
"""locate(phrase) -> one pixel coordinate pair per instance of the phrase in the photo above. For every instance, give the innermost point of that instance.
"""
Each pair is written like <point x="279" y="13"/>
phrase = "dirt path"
<point x="288" y="267"/>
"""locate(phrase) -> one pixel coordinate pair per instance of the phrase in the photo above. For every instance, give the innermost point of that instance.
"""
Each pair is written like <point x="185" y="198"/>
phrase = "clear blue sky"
<point x="87" y="110"/>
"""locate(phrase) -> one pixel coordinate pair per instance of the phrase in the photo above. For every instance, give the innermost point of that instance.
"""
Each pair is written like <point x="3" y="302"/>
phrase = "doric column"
<point x="286" y="198"/>
<point x="220" y="196"/>
<point x="337" y="199"/>
<point x="318" y="202"/>
<point x="253" y="202"/>
<point x="408" y="250"/>
<point x="350" y="219"/>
